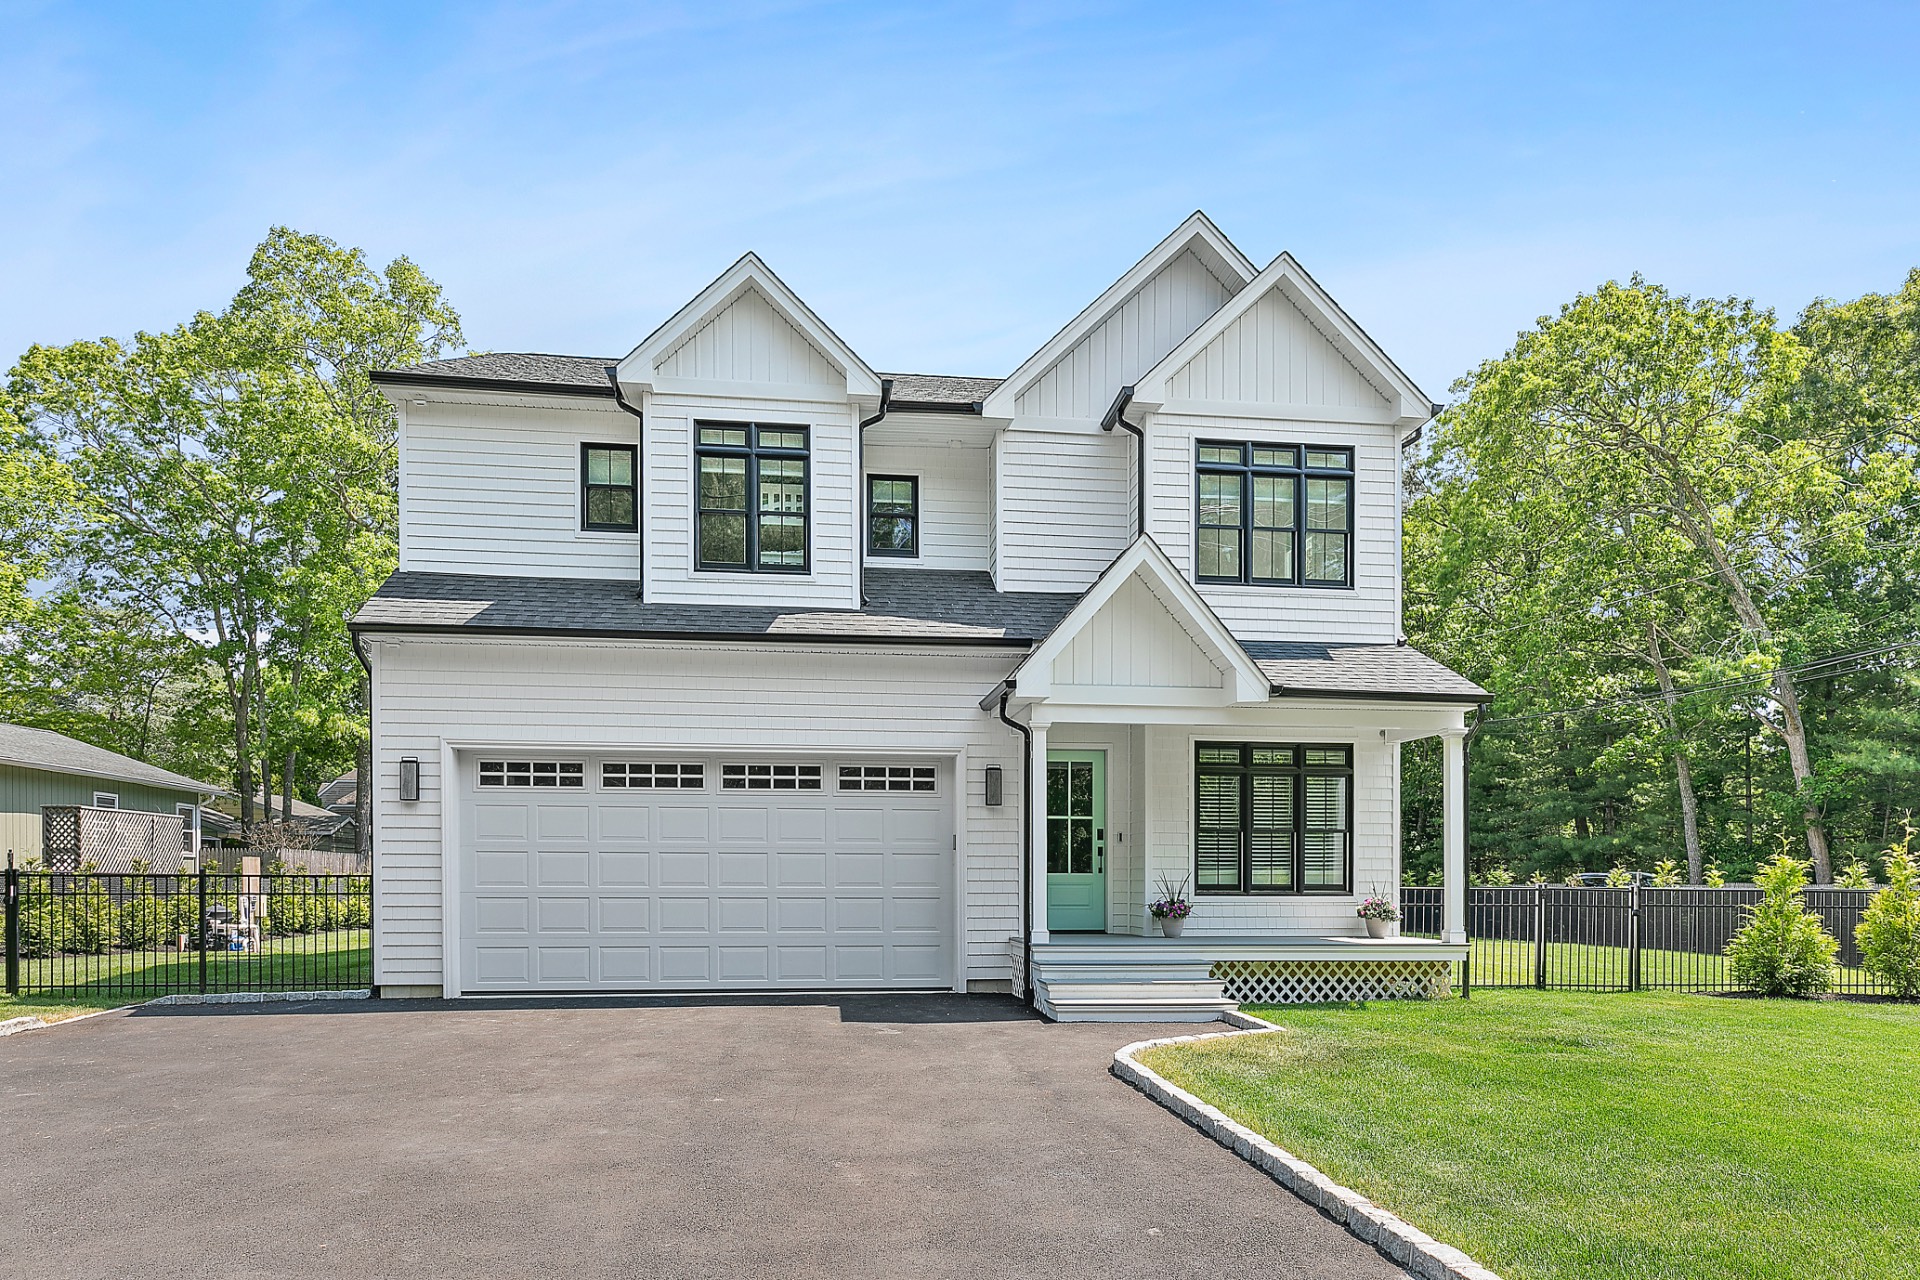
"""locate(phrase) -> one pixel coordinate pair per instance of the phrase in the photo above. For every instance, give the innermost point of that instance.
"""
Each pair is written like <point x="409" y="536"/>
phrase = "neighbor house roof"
<point x="903" y="605"/>
<point x="56" y="753"/>
<point x="1360" y="671"/>
<point x="592" y="375"/>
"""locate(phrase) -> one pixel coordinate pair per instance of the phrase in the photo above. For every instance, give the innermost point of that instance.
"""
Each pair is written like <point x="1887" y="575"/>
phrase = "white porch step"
<point x="1121" y="996"/>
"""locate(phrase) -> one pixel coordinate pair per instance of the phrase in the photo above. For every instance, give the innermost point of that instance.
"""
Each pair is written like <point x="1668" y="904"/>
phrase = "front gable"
<point x="747" y="333"/>
<point x="1141" y="636"/>
<point x="1165" y="296"/>
<point x="1282" y="343"/>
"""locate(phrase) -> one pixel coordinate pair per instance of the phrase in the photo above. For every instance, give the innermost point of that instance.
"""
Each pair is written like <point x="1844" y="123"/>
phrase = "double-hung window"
<point x="1273" y="515"/>
<point x="608" y="494"/>
<point x="893" y="516"/>
<point x="1272" y="818"/>
<point x="752" y="497"/>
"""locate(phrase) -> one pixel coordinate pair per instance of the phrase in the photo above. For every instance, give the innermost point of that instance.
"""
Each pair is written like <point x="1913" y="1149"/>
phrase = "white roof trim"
<point x="1143" y="559"/>
<point x="1198" y="230"/>
<point x="749" y="272"/>
<point x="1284" y="273"/>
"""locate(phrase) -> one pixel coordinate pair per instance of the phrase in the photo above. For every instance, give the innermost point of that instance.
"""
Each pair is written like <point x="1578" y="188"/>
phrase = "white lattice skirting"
<point x="1332" y="981"/>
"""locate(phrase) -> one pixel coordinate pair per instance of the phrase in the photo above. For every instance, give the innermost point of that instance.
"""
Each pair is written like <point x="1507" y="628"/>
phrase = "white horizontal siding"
<point x="1169" y="838"/>
<point x="671" y="575"/>
<point x="1273" y="354"/>
<point x="1367" y="613"/>
<point x="496" y="489"/>
<point x="1173" y="302"/>
<point x="955" y="521"/>
<point x="1062" y="503"/>
<point x="632" y="696"/>
<point x="749" y="341"/>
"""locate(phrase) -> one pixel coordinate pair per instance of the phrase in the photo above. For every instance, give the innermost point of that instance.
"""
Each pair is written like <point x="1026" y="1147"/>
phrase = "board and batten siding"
<point x="581" y="695"/>
<point x="494" y="488"/>
<point x="1135" y="642"/>
<point x="1273" y="354"/>
<point x="671" y="575"/>
<point x="1170" y="835"/>
<point x="748" y="340"/>
<point x="24" y="791"/>
<point x="1172" y="303"/>
<point x="955" y="528"/>
<point x="1366" y="613"/>
<point x="1063" y="505"/>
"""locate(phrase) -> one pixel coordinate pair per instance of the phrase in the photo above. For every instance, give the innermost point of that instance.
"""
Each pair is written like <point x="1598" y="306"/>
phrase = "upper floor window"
<point x="608" y="495"/>
<point x="893" y="515"/>
<point x="1274" y="515"/>
<point x="753" y="497"/>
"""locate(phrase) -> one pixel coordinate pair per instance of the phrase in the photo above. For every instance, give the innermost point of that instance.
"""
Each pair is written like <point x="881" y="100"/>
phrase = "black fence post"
<point x="203" y="927"/>
<point x="1633" y="937"/>
<point x="1540" y="937"/>
<point x="13" y="927"/>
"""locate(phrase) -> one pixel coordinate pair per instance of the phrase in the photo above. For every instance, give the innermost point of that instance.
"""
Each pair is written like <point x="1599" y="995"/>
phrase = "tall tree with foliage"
<point x="236" y="479"/>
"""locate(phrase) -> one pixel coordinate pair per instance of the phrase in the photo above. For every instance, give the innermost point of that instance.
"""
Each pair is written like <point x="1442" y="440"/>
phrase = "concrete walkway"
<point x="869" y="1136"/>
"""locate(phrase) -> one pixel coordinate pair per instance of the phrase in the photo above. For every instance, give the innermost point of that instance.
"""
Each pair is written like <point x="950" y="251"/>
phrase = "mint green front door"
<point x="1077" y="841"/>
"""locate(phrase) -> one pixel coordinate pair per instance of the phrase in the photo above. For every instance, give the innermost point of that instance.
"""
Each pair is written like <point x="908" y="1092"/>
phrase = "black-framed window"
<point x="1273" y="514"/>
<point x="893" y="515"/>
<point x="753" y="497"/>
<point x="609" y="493"/>
<point x="1272" y="818"/>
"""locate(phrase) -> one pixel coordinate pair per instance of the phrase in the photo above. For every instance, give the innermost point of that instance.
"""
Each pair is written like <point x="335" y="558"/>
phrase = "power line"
<point x="1642" y="699"/>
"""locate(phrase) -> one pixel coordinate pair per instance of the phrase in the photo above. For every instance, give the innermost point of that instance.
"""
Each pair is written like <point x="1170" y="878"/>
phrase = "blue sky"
<point x="947" y="185"/>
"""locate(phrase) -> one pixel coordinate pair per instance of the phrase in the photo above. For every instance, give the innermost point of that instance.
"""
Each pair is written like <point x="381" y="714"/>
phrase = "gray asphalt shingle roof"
<point x="902" y="605"/>
<point x="56" y="753"/>
<point x="1360" y="670"/>
<point x="589" y="374"/>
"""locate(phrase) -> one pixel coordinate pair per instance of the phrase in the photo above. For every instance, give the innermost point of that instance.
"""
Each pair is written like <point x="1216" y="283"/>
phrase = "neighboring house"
<point x="340" y="795"/>
<point x="110" y="808"/>
<point x="733" y="664"/>
<point x="311" y="828"/>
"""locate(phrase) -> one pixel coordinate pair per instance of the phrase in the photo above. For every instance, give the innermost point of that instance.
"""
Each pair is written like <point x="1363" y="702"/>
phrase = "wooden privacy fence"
<point x="1560" y="937"/>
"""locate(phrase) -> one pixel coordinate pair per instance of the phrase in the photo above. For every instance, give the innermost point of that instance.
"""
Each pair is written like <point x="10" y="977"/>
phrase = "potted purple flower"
<point x="1171" y="908"/>
<point x="1378" y="913"/>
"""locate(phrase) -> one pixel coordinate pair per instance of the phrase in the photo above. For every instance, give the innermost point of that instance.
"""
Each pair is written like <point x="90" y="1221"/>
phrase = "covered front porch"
<point x="1261" y="782"/>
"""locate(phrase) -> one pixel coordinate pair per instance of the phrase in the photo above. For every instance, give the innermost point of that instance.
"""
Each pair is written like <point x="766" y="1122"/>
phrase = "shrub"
<point x="1620" y="877"/>
<point x="143" y="923"/>
<point x="1855" y="875"/>
<point x="1715" y="878"/>
<point x="1497" y="875"/>
<point x="1889" y="931"/>
<point x="1666" y="874"/>
<point x="1782" y="949"/>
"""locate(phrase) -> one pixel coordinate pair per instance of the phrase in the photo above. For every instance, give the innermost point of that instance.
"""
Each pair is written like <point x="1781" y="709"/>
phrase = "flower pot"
<point x="1378" y="928"/>
<point x="1170" y="926"/>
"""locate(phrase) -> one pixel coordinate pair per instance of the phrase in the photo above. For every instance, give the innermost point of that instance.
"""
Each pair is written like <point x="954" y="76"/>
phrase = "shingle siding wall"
<point x="635" y="696"/>
<point x="1063" y="507"/>
<point x="955" y="523"/>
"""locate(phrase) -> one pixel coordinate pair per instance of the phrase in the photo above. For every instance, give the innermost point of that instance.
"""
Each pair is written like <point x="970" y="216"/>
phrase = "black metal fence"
<point x="1579" y="939"/>
<point x="143" y="935"/>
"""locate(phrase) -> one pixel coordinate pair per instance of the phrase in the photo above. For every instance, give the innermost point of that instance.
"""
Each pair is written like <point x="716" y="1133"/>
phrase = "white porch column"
<point x="1453" y="844"/>
<point x="1037" y="806"/>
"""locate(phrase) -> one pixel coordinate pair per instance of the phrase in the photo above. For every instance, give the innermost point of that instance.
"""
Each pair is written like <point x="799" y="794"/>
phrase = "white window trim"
<point x="106" y="799"/>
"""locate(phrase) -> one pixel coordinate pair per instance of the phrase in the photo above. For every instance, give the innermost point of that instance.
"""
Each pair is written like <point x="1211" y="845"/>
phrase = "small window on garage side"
<point x="106" y="800"/>
<point x="887" y="777"/>
<point x="566" y="774"/>
<point x="616" y="775"/>
<point x="893" y="516"/>
<point x="770" y="777"/>
<point x="608" y="492"/>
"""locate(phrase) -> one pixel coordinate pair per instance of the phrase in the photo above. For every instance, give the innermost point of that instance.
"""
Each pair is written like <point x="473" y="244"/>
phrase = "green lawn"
<point x="64" y="986"/>
<point x="1560" y="1135"/>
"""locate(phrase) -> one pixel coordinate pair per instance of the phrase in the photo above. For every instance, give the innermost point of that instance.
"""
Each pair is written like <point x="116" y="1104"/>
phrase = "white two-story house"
<point x="732" y="664"/>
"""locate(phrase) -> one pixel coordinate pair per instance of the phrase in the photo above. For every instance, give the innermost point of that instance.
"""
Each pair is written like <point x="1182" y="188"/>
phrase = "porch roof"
<point x="1391" y="671"/>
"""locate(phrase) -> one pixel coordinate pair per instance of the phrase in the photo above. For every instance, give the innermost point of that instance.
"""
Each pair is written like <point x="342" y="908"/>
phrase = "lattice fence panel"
<point x="1333" y="981"/>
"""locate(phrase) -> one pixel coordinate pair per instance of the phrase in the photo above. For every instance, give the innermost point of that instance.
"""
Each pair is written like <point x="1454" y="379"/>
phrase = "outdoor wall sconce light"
<point x="993" y="784"/>
<point x="409" y="778"/>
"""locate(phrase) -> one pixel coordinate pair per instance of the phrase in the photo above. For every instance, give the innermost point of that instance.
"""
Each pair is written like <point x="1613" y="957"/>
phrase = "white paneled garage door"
<point x="682" y="872"/>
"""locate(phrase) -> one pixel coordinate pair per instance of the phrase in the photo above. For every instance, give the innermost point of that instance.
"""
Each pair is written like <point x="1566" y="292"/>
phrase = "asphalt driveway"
<point x="871" y="1136"/>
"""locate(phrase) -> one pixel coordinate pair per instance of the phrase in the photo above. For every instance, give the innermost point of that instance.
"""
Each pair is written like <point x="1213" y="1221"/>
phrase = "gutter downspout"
<point x="639" y="489"/>
<point x="363" y="807"/>
<point x="860" y="484"/>
<point x="1026" y="843"/>
<point x="1117" y="417"/>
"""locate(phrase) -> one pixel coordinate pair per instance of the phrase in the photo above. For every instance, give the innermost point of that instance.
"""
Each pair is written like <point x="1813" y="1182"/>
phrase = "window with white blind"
<point x="1272" y="818"/>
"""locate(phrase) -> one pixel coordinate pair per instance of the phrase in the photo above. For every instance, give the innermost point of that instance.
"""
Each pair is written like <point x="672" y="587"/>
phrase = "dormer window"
<point x="608" y="495"/>
<point x="1274" y="514"/>
<point x="753" y="497"/>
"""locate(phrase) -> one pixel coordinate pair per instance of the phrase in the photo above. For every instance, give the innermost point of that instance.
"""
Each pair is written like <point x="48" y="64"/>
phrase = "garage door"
<point x="637" y="873"/>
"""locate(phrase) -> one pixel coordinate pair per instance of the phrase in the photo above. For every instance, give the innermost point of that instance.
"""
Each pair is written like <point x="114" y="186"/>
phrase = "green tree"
<point x="1782" y="949"/>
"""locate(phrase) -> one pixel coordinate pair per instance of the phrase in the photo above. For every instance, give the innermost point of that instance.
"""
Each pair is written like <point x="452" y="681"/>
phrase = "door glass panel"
<point x="1070" y="817"/>
<point x="1057" y="842"/>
